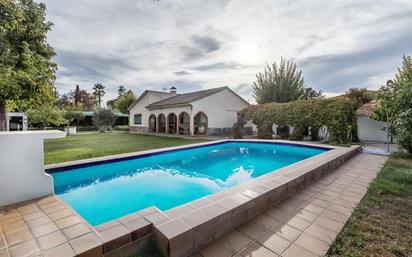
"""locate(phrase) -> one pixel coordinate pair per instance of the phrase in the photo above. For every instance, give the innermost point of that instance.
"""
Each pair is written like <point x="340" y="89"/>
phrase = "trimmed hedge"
<point x="336" y="114"/>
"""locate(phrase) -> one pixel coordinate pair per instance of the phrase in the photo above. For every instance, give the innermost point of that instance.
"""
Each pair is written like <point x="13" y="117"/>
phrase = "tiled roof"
<point x="186" y="98"/>
<point x="366" y="109"/>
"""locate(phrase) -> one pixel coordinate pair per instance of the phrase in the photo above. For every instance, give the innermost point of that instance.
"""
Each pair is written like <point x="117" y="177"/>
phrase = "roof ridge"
<point x="217" y="89"/>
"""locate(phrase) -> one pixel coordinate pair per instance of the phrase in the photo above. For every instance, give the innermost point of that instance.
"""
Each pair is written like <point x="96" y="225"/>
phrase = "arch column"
<point x="192" y="125"/>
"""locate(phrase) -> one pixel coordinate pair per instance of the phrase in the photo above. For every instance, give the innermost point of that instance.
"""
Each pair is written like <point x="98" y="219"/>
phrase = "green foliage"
<point x="125" y="101"/>
<point x="73" y="113"/>
<point x="283" y="83"/>
<point x="104" y="119"/>
<point x="336" y="114"/>
<point x="26" y="69"/>
<point x="360" y="96"/>
<point x="45" y="116"/>
<point x="395" y="105"/>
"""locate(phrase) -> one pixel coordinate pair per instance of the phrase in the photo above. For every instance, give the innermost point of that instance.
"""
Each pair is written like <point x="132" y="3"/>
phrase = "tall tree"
<point x="121" y="90"/>
<point x="395" y="105"/>
<point x="123" y="103"/>
<point x="98" y="92"/>
<point x="27" y="73"/>
<point x="82" y="98"/>
<point x="279" y="83"/>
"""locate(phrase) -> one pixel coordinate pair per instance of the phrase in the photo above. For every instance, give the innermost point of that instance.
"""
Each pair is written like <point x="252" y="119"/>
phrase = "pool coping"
<point x="180" y="231"/>
<point x="63" y="166"/>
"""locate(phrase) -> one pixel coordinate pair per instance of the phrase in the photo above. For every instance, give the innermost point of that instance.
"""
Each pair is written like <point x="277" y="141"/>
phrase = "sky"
<point x="196" y="44"/>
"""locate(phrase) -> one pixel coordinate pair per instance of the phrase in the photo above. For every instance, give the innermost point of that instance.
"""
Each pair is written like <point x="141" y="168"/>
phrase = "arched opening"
<point x="172" y="123"/>
<point x="161" y="120"/>
<point x="200" y="122"/>
<point x="152" y="123"/>
<point x="184" y="123"/>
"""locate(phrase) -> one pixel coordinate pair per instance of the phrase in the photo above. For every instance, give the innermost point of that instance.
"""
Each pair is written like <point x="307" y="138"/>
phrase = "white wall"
<point x="371" y="130"/>
<point x="221" y="108"/>
<point x="22" y="175"/>
<point x="140" y="108"/>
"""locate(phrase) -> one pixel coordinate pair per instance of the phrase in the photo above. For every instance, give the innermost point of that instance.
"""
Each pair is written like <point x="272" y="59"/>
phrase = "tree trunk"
<point x="2" y="116"/>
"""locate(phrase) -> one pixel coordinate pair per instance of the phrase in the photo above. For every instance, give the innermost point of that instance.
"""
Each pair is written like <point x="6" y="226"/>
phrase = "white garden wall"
<point x="22" y="175"/>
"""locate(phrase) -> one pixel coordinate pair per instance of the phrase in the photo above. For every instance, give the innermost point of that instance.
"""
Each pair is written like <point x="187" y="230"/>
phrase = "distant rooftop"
<point x="367" y="109"/>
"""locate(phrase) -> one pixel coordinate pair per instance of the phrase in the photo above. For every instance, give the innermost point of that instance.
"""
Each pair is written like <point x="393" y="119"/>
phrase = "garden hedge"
<point x="336" y="114"/>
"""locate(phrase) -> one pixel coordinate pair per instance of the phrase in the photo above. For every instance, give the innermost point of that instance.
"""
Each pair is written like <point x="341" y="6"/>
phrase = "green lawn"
<point x="382" y="223"/>
<point x="83" y="146"/>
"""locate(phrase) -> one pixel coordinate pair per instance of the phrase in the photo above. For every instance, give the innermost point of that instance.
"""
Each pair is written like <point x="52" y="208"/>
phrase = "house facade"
<point x="206" y="112"/>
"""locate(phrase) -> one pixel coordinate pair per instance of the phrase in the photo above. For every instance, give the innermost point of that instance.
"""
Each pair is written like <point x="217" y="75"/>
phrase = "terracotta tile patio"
<point x="305" y="224"/>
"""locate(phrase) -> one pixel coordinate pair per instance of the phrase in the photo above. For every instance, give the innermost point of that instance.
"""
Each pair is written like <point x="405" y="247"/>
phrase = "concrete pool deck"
<point x="317" y="195"/>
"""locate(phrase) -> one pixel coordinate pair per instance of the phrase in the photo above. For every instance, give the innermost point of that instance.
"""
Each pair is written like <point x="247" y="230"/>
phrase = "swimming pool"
<point x="100" y="192"/>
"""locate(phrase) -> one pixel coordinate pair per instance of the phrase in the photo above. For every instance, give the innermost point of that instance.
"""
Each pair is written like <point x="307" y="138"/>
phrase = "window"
<point x="137" y="119"/>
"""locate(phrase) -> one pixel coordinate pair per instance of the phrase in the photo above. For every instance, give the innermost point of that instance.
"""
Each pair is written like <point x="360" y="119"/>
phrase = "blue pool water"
<point x="107" y="191"/>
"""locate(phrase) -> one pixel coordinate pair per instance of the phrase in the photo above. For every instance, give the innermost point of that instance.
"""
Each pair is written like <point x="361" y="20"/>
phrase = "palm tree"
<point x="99" y="92"/>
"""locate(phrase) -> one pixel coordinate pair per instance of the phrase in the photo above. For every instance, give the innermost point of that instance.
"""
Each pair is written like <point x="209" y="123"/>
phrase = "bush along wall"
<point x="335" y="114"/>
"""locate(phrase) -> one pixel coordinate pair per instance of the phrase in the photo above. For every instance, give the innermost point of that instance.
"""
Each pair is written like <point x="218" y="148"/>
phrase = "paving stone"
<point x="273" y="242"/>
<point x="257" y="250"/>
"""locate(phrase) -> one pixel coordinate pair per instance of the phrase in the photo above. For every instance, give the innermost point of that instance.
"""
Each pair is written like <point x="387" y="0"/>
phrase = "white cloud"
<point x="201" y="44"/>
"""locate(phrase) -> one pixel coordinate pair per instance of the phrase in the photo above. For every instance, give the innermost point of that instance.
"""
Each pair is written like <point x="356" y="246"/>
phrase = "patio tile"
<point x="39" y="221"/>
<point x="4" y="253"/>
<point x="257" y="250"/>
<point x="286" y="231"/>
<point x="25" y="249"/>
<point x="51" y="240"/>
<point x="320" y="203"/>
<point x="179" y="211"/>
<point x="18" y="237"/>
<point x="266" y="221"/>
<point x="54" y="208"/>
<point x="107" y="225"/>
<point x="28" y="208"/>
<point x="63" y="250"/>
<point x="157" y="218"/>
<point x="276" y="213"/>
<point x="336" y="216"/>
<point x="217" y="249"/>
<point x="33" y="215"/>
<point x="273" y="242"/>
<point x="10" y="228"/>
<point x="236" y="240"/>
<point x="306" y="215"/>
<point x="115" y="237"/>
<point x="340" y="209"/>
<point x="298" y="223"/>
<point x="328" y="224"/>
<point x="251" y="229"/>
<point x="60" y="214"/>
<point x="199" y="203"/>
<point x="87" y="245"/>
<point x="314" y="208"/>
<point x="312" y="244"/>
<point x="76" y="231"/>
<point x="321" y="233"/>
<point x="297" y="251"/>
<point x="67" y="222"/>
<point x="44" y="229"/>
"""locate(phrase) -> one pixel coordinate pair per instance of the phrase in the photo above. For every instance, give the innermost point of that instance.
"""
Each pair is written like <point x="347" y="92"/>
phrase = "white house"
<point x="206" y="112"/>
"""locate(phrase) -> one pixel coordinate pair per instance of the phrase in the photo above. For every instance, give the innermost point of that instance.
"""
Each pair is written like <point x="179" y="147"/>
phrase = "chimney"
<point x="173" y="90"/>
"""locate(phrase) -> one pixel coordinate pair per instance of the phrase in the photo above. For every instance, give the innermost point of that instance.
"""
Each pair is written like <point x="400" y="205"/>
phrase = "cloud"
<point x="195" y="45"/>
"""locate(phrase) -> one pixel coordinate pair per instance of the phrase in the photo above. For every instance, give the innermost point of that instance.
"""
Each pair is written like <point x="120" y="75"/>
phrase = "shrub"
<point x="104" y="119"/>
<point x="336" y="114"/>
<point x="45" y="116"/>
